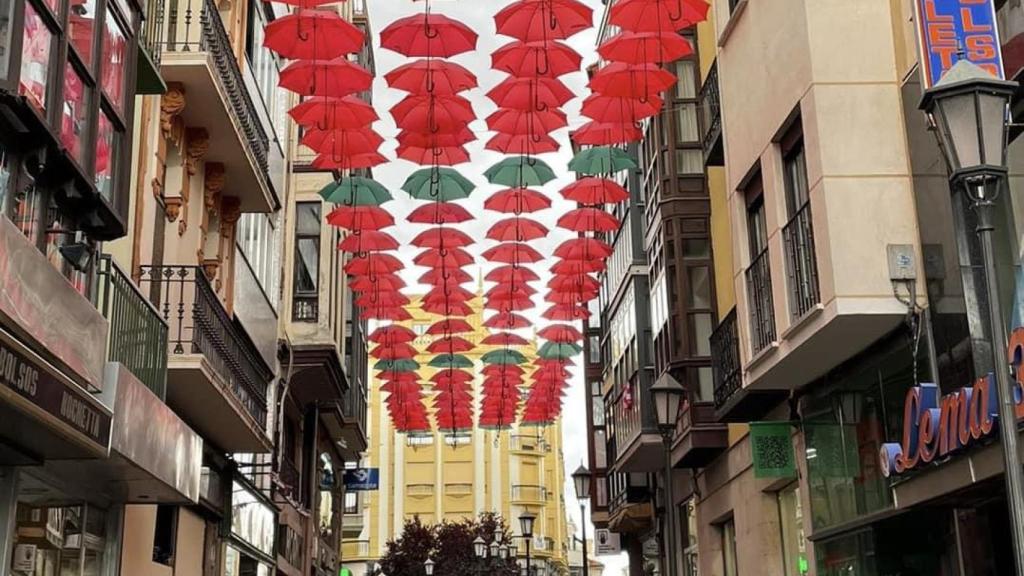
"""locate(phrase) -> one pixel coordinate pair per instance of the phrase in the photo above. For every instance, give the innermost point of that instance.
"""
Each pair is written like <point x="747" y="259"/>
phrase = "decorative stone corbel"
<point x="197" y="143"/>
<point x="172" y="103"/>
<point x="211" y="252"/>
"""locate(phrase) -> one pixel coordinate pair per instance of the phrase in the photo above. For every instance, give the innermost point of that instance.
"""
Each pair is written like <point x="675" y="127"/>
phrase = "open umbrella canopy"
<point x="595" y="133"/>
<point x="511" y="304"/>
<point x="360" y="218"/>
<point x="644" y="47"/>
<point x="342" y="142"/>
<point x="529" y="20"/>
<point x="397" y="351"/>
<point x="504" y="339"/>
<point x="595" y="191"/>
<point x="517" y="230"/>
<point x="507" y="321"/>
<point x="336" y="77"/>
<point x="443" y="184"/>
<point x="530" y="93"/>
<point x="431" y="35"/>
<point x="451" y="361"/>
<point x="382" y="299"/>
<point x="566" y="312"/>
<point x="529" y="122"/>
<point x="538" y="59"/>
<point x="452" y="375"/>
<point x="504" y="357"/>
<point x="550" y="350"/>
<point x="431" y="76"/>
<point x="601" y="160"/>
<point x="312" y="34"/>
<point x="325" y="112"/>
<point x="515" y="274"/>
<point x="449" y="326"/>
<point x="512" y="253"/>
<point x="575" y="297"/>
<point x="432" y="114"/>
<point x="583" y="249"/>
<point x="505" y="289"/>
<point x="520" y="171"/>
<point x="407" y="138"/>
<point x="437" y="156"/>
<point x="355" y="191"/>
<point x="631" y="80"/>
<point x="452" y="293"/>
<point x="448" y="308"/>
<point x="528" y="144"/>
<point x="364" y="284"/>
<point x="443" y="278"/>
<point x="658" y="15"/>
<point x="404" y="365"/>
<point x="439" y="213"/>
<point x="391" y="334"/>
<point x="617" y="109"/>
<point x="448" y="258"/>
<point x="450" y="346"/>
<point x="374" y="263"/>
<point x="349" y="161"/>
<point x="577" y="267"/>
<point x="573" y="282"/>
<point x="588" y="220"/>
<point x="560" y="333"/>
<point x="517" y="201"/>
<point x="441" y="237"/>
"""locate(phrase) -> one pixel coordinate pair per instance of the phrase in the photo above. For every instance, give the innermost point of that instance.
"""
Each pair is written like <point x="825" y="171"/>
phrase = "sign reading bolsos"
<point x="362" y="479"/>
<point x="936" y="426"/>
<point x="947" y="26"/>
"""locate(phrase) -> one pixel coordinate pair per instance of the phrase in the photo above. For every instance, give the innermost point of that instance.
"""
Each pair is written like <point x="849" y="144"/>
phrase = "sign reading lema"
<point x="936" y="426"/>
<point x="946" y="27"/>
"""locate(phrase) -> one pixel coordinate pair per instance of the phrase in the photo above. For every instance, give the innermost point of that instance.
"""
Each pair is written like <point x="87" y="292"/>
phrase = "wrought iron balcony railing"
<point x="355" y="404"/>
<point x="801" y="266"/>
<point x="725" y="359"/>
<point x="759" y="293"/>
<point x="138" y="335"/>
<point x="711" y="110"/>
<point x="196" y="26"/>
<point x="199" y="324"/>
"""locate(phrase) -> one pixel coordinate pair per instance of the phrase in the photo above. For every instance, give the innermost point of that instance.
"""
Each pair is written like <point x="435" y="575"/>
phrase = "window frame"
<point x="306" y="296"/>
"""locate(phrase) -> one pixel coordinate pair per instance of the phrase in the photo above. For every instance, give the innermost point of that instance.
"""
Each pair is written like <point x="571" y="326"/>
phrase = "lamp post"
<point x="581" y="479"/>
<point x="968" y="109"/>
<point x="526" y="520"/>
<point x="667" y="394"/>
<point x="428" y="567"/>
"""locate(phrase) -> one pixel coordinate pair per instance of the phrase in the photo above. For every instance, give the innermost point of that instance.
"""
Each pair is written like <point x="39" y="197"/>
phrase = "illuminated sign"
<point x="946" y="27"/>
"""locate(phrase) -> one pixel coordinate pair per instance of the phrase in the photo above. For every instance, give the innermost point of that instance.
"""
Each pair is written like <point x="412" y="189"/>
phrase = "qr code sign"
<point x="772" y="450"/>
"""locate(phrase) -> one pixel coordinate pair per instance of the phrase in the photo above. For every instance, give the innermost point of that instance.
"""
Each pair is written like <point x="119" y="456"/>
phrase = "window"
<point x="259" y="240"/>
<point x="82" y="29"/>
<point x="594" y="349"/>
<point x="265" y="66"/>
<point x="75" y="112"/>
<point x="688" y="530"/>
<point x="759" y="280"/>
<point x="307" y="261"/>
<point x="794" y="545"/>
<point x="115" y="53"/>
<point x="106" y="150"/>
<point x="798" y="233"/>
<point x="729" y="561"/>
<point x="757" y="228"/>
<point x="351" y="502"/>
<point x="35" y="58"/>
<point x="165" y="535"/>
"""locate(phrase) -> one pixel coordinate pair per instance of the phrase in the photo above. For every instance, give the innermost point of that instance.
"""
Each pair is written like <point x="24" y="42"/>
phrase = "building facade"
<point x="445" y="476"/>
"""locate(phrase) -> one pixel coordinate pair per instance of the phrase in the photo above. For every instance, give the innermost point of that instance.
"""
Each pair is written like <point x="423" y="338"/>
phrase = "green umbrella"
<point x="397" y="365"/>
<point x="439" y="183"/>
<point x="451" y="361"/>
<point x="520" y="171"/>
<point x="504" y="357"/>
<point x="356" y="191"/>
<point x="551" y="350"/>
<point x="601" y="160"/>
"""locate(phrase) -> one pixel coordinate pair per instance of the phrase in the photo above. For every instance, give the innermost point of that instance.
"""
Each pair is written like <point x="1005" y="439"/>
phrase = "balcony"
<point x="217" y="380"/>
<point x="355" y="417"/>
<point x="636" y="445"/>
<point x="529" y="494"/>
<point x="151" y="34"/>
<point x="733" y="402"/>
<point x="700" y="438"/>
<point x="197" y="54"/>
<point x="761" y="302"/>
<point x="711" y="112"/>
<point x="352" y="549"/>
<point x="138" y="334"/>
<point x="629" y="502"/>
<point x="528" y="443"/>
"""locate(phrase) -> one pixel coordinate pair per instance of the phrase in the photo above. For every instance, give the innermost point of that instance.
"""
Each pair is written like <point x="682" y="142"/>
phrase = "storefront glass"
<point x="59" y="540"/>
<point x="252" y="521"/>
<point x="794" y="542"/>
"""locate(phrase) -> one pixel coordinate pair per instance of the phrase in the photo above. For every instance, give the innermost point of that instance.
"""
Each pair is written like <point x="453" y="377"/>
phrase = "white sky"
<point x="479" y="15"/>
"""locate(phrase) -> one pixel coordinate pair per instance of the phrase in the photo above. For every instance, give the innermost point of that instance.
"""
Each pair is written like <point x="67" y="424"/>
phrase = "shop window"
<point x="107" y="141"/>
<point x="35" y="58"/>
<point x="6" y="16"/>
<point x="165" y="534"/>
<point x="82" y="28"/>
<point x="60" y="540"/>
<point x="730" y="563"/>
<point x="794" y="542"/>
<point x="115" y="52"/>
<point x="75" y="115"/>
<point x="688" y="538"/>
<point x="307" y="262"/>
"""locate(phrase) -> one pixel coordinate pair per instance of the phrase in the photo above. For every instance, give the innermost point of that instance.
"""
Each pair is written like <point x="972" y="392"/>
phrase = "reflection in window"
<point x="35" y="58"/>
<point x="105" y="150"/>
<point x="6" y="14"/>
<point x="252" y="521"/>
<point x="82" y="29"/>
<point x="115" y="52"/>
<point x="794" y="542"/>
<point x="75" y="113"/>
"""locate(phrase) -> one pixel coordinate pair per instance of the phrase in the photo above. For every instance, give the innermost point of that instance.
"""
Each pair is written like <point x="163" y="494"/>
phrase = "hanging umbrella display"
<point x="528" y="144"/>
<point x="553" y="350"/>
<point x="573" y="282"/>
<point x="439" y="155"/>
<point x="507" y="321"/>
<point x="560" y="333"/>
<point x="393" y="334"/>
<point x="658" y="15"/>
<point x="644" y="47"/>
<point x="631" y="80"/>
<point x="326" y="112"/>
<point x="530" y="20"/>
<point x="374" y="263"/>
<point x="530" y="93"/>
<point x="396" y="351"/>
<point x="341" y="143"/>
<point x="511" y="274"/>
<point x="520" y="171"/>
<point x="337" y="77"/>
<point x="576" y="267"/>
<point x="620" y="110"/>
<point x="382" y="299"/>
<point x="517" y="230"/>
<point x="368" y="241"/>
<point x="443" y="258"/>
<point x="439" y="213"/>
<point x="504" y="339"/>
<point x="403" y="365"/>
<point x="511" y="288"/>
<point x="441" y="237"/>
<point x="312" y="34"/>
<point x="406" y="138"/>
<point x="601" y="160"/>
<point x="595" y="191"/>
<point x="432" y="114"/>
<point x="360" y="218"/>
<point x="376" y="282"/>
<point x="355" y="191"/>
<point x="566" y="312"/>
<point x="512" y="253"/>
<point x="517" y="201"/>
<point x="449" y="326"/>
<point x="600" y="133"/>
<point x="588" y="220"/>
<point x="445" y="277"/>
<point x="583" y="249"/>
<point x="536" y="59"/>
<point x="503" y="357"/>
<point x="442" y="184"/>
<point x="448" y="308"/>
<point x="512" y="121"/>
<point x="349" y="162"/>
<point x="453" y="345"/>
<point x="428" y="76"/>
<point x="451" y="361"/>
<point x="429" y="35"/>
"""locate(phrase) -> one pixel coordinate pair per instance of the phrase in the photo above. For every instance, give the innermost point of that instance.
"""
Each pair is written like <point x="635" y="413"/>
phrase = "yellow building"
<point x="444" y="477"/>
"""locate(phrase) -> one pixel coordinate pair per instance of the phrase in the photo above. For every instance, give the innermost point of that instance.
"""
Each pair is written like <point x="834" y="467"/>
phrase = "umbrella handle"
<point x="430" y="81"/>
<point x="437" y="152"/>
<point x="678" y="16"/>
<point x="547" y="65"/>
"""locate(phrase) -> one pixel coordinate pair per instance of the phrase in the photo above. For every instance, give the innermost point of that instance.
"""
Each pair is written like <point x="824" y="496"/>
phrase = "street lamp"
<point x="480" y="547"/>
<point x="668" y="394"/>
<point x="428" y="566"/>
<point x="581" y="478"/>
<point x="968" y="109"/>
<point x="526" y="520"/>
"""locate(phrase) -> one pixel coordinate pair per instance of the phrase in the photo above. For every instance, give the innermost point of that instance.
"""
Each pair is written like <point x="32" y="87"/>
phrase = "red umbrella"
<point x="511" y="121"/>
<point x="644" y="47"/>
<point x="434" y="156"/>
<point x="376" y="282"/>
<point x="631" y="80"/>
<point x="439" y="213"/>
<point x="530" y="93"/>
<point x="447" y="258"/>
<point x="511" y="294"/>
<point x="327" y="112"/>
<point x="374" y="263"/>
<point x="615" y="109"/>
<point x="449" y="326"/>
<point x="451" y="375"/>
<point x="503" y="370"/>
<point x="432" y="114"/>
<point x="448" y="308"/>
<point x="336" y="77"/>
<point x="393" y="313"/>
<point x="583" y="249"/>
<point x="382" y="299"/>
<point x="394" y="377"/>
<point x="511" y="287"/>
<point x="517" y="201"/>
<point x="522" y="144"/>
<point x="508" y="304"/>
<point x="573" y="282"/>
<point x="514" y="274"/>
<point x="517" y="230"/>
<point x="570" y="297"/>
<point x="658" y="15"/>
<point x="304" y="4"/>
<point x="578" y="266"/>
<point x="406" y="138"/>
<point x="429" y="35"/>
<point x="442" y="237"/>
<point x="397" y="351"/>
<point x="543" y="19"/>
<point x="312" y="34"/>
<point x="566" y="312"/>
<point x="505" y="339"/>
<point x="588" y="220"/>
<point x="450" y="346"/>
<point x="454" y="293"/>
<point x="445" y="277"/>
<point x="561" y="333"/>
<point x="595" y="191"/>
<point x="512" y="253"/>
<point x="368" y="241"/>
<point x="350" y="162"/>
<point x="360" y="218"/>
<point x="431" y="76"/>
<point x="393" y="334"/>
<point x="536" y="59"/>
<point x="342" y="143"/>
<point x="600" y="133"/>
<point x="507" y="321"/>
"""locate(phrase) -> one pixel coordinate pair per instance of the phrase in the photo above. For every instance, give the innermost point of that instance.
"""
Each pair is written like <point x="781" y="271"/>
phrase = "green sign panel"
<point x="771" y="445"/>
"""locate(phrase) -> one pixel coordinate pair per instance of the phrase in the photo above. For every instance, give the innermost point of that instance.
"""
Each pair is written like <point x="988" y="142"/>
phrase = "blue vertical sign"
<point x="948" y="26"/>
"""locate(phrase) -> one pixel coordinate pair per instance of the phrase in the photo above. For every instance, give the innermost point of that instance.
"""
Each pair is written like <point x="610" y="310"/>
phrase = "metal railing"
<point x="199" y="324"/>
<point x="529" y="493"/>
<point x="151" y="32"/>
<point x="359" y="548"/>
<point x="196" y="26"/>
<point x="138" y="335"/>
<point x="725" y="359"/>
<point x="801" y="265"/>
<point x="759" y="293"/>
<point x="419" y="489"/>
<point x="305" y="308"/>
<point x="458" y="488"/>
<point x="711" y="109"/>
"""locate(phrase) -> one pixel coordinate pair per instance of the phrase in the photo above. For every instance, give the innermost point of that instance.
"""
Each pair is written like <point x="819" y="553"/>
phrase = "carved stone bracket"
<point x="172" y="103"/>
<point x="197" y="143"/>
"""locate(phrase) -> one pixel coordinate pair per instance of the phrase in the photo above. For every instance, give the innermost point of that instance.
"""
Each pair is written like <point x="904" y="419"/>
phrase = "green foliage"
<point x="450" y="546"/>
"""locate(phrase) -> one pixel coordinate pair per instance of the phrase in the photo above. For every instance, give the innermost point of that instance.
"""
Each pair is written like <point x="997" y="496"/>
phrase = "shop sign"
<point x="946" y="27"/>
<point x="362" y="479"/>
<point x="34" y="381"/>
<point x="607" y="542"/>
<point x="24" y="559"/>
<point x="772" y="450"/>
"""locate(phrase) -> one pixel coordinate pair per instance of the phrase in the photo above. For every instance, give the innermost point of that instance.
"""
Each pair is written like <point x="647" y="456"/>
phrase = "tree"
<point x="450" y="546"/>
